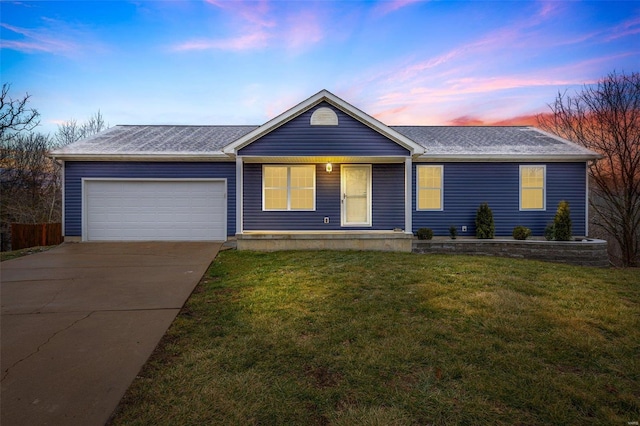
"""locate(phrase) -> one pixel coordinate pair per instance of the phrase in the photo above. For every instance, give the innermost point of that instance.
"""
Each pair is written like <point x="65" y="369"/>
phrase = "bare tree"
<point x="605" y="117"/>
<point x="30" y="180"/>
<point x="15" y="115"/>
<point x="71" y="131"/>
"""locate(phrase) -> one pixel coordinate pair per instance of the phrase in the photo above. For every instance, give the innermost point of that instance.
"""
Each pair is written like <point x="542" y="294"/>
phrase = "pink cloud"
<point x="627" y="28"/>
<point x="466" y="120"/>
<point x="458" y="100"/>
<point x="259" y="27"/>
<point x="385" y="7"/>
<point x="37" y="41"/>
<point x="250" y="41"/>
<point x="391" y="113"/>
<point x="252" y="12"/>
<point x="461" y="86"/>
<point x="302" y="30"/>
<point x="456" y="88"/>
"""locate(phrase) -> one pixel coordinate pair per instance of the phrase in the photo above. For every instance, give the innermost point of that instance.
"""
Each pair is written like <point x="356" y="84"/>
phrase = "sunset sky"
<point x="243" y="62"/>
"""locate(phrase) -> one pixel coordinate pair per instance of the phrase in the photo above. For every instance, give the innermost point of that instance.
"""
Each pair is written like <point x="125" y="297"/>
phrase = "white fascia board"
<point x="324" y="95"/>
<point x="179" y="157"/>
<point x="489" y="158"/>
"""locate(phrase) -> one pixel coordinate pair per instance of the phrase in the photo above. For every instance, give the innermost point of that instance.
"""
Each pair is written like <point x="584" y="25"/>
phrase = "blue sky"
<point x="243" y="62"/>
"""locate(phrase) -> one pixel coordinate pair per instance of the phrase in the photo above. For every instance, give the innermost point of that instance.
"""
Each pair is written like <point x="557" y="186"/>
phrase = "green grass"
<point x="364" y="338"/>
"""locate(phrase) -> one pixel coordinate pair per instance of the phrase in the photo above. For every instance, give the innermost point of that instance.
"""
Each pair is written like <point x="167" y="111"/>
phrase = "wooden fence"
<point x="32" y="235"/>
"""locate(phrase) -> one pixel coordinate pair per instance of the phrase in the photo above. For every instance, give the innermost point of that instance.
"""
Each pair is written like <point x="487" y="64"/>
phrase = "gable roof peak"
<point x="325" y="96"/>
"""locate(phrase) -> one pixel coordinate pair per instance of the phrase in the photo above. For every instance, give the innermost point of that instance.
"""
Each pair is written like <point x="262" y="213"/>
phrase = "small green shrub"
<point x="562" y="222"/>
<point x="424" y="233"/>
<point x="549" y="232"/>
<point x="485" y="228"/>
<point x="521" y="233"/>
<point x="453" y="232"/>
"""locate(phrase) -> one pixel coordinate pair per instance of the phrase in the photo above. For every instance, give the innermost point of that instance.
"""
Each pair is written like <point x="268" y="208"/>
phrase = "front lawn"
<point x="364" y="338"/>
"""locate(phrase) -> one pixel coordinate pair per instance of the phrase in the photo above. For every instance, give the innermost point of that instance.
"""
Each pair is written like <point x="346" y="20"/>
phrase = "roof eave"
<point x="179" y="157"/>
<point x="505" y="158"/>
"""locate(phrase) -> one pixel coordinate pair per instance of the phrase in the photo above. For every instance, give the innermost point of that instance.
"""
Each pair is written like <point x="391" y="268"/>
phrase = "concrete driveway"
<point x="79" y="321"/>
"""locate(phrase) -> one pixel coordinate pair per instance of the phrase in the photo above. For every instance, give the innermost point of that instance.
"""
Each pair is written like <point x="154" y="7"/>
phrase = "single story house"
<point x="322" y="174"/>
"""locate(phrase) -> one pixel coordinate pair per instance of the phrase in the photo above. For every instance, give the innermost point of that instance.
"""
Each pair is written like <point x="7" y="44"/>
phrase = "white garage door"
<point x="155" y="210"/>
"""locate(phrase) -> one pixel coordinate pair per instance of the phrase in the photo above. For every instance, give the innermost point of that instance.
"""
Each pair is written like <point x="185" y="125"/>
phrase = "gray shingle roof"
<point x="461" y="141"/>
<point x="439" y="142"/>
<point x="132" y="140"/>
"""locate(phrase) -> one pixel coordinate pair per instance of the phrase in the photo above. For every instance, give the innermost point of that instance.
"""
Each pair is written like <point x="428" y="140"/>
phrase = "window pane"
<point x="302" y="199"/>
<point x="275" y="199"/>
<point x="532" y="198"/>
<point x="275" y="177"/>
<point x="532" y="177"/>
<point x="429" y="177"/>
<point x="423" y="175"/>
<point x="429" y="199"/>
<point x="302" y="176"/>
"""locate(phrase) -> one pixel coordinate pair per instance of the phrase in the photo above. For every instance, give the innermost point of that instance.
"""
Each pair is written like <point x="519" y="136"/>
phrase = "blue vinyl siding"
<point x="299" y="138"/>
<point x="76" y="170"/>
<point x="467" y="185"/>
<point x="387" y="188"/>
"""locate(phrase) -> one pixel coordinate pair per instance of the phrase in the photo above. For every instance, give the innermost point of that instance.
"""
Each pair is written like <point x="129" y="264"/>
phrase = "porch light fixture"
<point x="329" y="168"/>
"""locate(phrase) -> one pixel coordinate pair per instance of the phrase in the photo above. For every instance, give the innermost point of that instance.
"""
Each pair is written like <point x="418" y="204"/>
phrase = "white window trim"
<point x="418" y="167"/>
<point x="289" y="166"/>
<point x="544" y="187"/>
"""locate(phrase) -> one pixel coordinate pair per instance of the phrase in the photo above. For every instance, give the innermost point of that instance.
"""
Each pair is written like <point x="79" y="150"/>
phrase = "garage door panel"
<point x="155" y="210"/>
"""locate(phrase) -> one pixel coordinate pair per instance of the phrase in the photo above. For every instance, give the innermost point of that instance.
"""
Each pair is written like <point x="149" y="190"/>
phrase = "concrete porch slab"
<point x="339" y="240"/>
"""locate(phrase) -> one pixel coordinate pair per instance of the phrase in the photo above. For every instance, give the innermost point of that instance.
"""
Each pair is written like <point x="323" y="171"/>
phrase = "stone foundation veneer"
<point x="586" y="252"/>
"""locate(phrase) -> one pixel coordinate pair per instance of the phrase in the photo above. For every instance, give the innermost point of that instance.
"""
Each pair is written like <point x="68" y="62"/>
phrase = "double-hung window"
<point x="289" y="187"/>
<point x="532" y="187"/>
<point x="429" y="181"/>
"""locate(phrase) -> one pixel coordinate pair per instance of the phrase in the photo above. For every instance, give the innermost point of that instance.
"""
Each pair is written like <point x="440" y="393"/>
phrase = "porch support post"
<point x="239" y="194"/>
<point x="408" y="216"/>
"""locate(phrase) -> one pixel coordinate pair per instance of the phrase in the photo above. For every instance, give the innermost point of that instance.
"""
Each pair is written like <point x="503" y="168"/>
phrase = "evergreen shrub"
<point x="485" y="228"/>
<point x="521" y="233"/>
<point x="424" y="233"/>
<point x="562" y="222"/>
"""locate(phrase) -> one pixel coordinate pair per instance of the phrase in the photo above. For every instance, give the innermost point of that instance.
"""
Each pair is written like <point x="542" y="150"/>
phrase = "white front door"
<point x="356" y="195"/>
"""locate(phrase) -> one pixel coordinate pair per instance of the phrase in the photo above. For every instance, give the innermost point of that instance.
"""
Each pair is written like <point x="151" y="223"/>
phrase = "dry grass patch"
<point x="8" y="255"/>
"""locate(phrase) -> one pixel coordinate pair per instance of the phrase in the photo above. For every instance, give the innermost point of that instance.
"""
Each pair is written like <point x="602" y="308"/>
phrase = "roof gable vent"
<point x="324" y="117"/>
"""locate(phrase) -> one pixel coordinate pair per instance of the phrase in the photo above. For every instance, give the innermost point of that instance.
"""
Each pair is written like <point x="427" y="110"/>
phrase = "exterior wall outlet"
<point x="464" y="229"/>
<point x="326" y="219"/>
